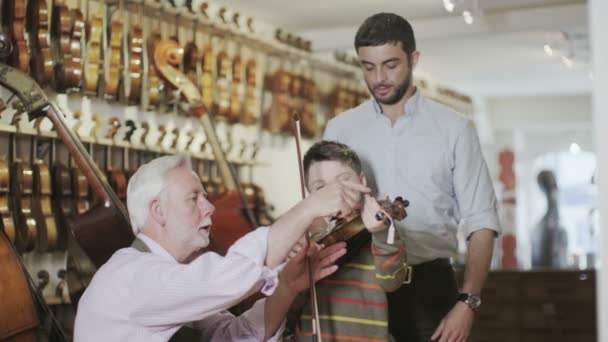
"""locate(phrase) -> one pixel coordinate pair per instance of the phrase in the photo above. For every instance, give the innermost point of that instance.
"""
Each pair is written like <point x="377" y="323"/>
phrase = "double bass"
<point x="24" y="315"/>
<point x="108" y="219"/>
<point x="23" y="309"/>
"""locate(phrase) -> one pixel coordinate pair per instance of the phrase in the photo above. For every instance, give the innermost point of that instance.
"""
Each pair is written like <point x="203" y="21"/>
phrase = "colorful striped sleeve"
<point x="390" y="260"/>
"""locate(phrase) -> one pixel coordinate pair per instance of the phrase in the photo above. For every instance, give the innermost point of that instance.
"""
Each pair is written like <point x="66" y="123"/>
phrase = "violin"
<point x="192" y="58"/>
<point x="113" y="53"/>
<point x="62" y="201"/>
<point x="155" y="85"/>
<point x="8" y="222"/>
<point x="48" y="232"/>
<point x="277" y="118"/>
<point x="91" y="70"/>
<point x="43" y="65"/>
<point x="352" y="230"/>
<point x="207" y="62"/>
<point x="250" y="116"/>
<point x="74" y="64"/>
<point x="224" y="70"/>
<point x="20" y="56"/>
<point x="136" y="44"/>
<point x="61" y="27"/>
<point x="236" y="94"/>
<point x="309" y="110"/>
<point x="21" y="193"/>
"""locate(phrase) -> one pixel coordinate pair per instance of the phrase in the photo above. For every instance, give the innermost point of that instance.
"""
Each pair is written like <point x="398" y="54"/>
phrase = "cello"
<point x="232" y="219"/>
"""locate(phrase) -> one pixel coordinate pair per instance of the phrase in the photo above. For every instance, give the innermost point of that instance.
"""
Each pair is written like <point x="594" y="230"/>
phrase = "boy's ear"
<point x="363" y="179"/>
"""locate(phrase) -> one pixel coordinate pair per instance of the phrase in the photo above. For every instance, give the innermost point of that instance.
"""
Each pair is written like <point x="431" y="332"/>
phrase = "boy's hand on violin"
<point x="368" y="215"/>
<point x="295" y="273"/>
<point x="337" y="199"/>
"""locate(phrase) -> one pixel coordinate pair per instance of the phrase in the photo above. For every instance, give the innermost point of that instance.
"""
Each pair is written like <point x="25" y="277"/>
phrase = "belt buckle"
<point x="408" y="274"/>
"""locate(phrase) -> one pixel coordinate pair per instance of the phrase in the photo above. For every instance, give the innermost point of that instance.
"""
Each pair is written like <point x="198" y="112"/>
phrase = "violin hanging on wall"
<point x="16" y="13"/>
<point x="42" y="66"/>
<point x="6" y="208"/>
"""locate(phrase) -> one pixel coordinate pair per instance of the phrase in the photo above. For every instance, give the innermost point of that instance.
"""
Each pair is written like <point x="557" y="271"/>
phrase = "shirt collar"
<point x="411" y="106"/>
<point x="155" y="247"/>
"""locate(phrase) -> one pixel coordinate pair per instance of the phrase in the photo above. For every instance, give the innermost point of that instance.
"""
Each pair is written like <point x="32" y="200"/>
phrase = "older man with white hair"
<point x="162" y="282"/>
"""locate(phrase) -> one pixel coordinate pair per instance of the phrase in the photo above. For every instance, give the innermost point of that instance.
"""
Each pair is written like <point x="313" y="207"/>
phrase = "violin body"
<point x="352" y="230"/>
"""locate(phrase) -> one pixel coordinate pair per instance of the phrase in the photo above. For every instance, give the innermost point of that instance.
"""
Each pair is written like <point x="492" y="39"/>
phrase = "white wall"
<point x="599" y="46"/>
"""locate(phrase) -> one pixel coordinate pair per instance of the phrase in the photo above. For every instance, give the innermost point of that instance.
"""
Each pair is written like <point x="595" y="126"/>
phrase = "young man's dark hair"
<point x="382" y="28"/>
<point x="331" y="151"/>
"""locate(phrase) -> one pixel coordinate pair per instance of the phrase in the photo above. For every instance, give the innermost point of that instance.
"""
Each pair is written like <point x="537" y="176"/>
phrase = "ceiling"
<point x="500" y="54"/>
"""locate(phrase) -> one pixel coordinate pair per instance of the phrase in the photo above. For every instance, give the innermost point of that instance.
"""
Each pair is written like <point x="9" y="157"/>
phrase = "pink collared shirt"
<point x="138" y="296"/>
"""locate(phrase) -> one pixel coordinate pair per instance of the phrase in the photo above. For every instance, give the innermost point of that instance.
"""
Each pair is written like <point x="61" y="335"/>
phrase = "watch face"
<point x="474" y="302"/>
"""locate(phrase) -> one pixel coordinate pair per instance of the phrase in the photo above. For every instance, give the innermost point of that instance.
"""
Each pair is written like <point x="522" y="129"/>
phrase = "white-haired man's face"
<point x="186" y="210"/>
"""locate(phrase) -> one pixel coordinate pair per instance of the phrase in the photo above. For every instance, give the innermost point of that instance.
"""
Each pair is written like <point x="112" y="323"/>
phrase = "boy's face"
<point x="327" y="172"/>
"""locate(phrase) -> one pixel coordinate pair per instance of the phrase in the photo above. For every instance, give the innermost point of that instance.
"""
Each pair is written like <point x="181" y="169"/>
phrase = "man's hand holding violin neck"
<point x="369" y="213"/>
<point x="338" y="199"/>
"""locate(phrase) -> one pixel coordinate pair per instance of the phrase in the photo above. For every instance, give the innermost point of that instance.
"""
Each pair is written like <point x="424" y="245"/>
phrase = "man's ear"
<point x="363" y="179"/>
<point x="415" y="56"/>
<point x="157" y="212"/>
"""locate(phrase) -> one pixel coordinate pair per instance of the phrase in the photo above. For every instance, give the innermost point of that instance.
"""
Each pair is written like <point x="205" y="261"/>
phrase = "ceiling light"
<point x="568" y="62"/>
<point x="548" y="50"/>
<point x="468" y="17"/>
<point x="575" y="148"/>
<point x="449" y="5"/>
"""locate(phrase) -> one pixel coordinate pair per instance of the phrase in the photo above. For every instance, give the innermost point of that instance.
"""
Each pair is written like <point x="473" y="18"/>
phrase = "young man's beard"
<point x="400" y="91"/>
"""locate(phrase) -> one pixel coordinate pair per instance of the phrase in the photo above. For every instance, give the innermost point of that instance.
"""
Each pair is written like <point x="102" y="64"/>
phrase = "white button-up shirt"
<point x="139" y="296"/>
<point x="430" y="156"/>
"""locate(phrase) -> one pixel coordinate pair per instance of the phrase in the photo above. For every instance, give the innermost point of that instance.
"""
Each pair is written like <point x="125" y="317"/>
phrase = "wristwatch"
<point x="473" y="301"/>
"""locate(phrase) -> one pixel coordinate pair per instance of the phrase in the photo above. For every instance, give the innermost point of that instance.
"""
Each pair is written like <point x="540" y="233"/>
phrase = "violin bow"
<point x="316" y="326"/>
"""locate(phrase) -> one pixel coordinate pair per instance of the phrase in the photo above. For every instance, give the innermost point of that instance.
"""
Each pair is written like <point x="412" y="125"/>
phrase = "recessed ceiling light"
<point x="575" y="148"/>
<point x="468" y="17"/>
<point x="448" y="5"/>
<point x="568" y="62"/>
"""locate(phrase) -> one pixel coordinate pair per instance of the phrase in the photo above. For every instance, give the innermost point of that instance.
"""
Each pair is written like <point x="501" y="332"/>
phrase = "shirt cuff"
<point x="487" y="218"/>
<point x="270" y="277"/>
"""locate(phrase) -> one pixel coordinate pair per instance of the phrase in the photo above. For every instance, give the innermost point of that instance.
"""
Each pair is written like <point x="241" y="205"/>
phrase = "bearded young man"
<point x="414" y="147"/>
<point x="165" y="281"/>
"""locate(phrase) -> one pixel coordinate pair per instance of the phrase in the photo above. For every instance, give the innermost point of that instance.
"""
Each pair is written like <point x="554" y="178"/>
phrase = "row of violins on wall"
<point x="40" y="190"/>
<point x="109" y="53"/>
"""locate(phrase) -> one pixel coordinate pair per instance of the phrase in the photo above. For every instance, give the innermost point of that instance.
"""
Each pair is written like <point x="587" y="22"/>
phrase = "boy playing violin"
<point x="352" y="302"/>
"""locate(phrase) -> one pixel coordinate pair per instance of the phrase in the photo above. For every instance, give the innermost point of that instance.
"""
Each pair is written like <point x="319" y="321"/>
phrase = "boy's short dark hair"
<point x="331" y="151"/>
<point x="383" y="28"/>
